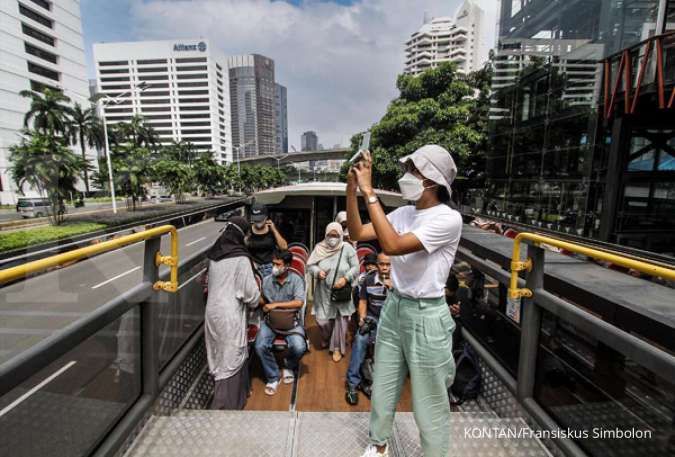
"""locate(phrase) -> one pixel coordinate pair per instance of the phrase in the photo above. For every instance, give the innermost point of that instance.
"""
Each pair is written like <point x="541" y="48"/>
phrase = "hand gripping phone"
<point x="365" y="144"/>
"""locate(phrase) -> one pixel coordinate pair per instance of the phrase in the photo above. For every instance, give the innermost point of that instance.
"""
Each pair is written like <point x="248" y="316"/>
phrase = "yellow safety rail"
<point x="21" y="271"/>
<point x="518" y="265"/>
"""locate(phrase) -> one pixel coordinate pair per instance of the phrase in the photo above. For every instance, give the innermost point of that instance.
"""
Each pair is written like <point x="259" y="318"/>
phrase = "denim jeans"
<point x="359" y="349"/>
<point x="297" y="346"/>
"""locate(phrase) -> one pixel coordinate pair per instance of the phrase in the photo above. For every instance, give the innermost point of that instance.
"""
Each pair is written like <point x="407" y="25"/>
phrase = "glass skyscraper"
<point x="555" y="162"/>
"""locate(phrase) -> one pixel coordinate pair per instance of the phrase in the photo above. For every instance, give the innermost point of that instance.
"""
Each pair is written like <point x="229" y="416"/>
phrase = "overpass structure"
<point x="296" y="157"/>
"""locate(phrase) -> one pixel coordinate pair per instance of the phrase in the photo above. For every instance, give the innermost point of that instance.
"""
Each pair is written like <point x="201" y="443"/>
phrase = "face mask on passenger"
<point x="411" y="187"/>
<point x="332" y="242"/>
<point x="260" y="225"/>
<point x="278" y="271"/>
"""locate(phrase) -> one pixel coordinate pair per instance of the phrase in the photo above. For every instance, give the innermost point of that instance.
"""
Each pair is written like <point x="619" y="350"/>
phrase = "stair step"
<point x="285" y="434"/>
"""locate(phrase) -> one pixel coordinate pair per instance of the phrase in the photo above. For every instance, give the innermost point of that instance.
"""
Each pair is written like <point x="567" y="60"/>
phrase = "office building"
<point x="557" y="161"/>
<point x="459" y="39"/>
<point x="281" y="104"/>
<point x="41" y="47"/>
<point x="309" y="141"/>
<point x="186" y="98"/>
<point x="253" y="105"/>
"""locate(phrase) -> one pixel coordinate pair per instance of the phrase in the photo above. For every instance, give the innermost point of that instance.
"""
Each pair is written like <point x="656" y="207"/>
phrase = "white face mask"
<point x="332" y="242"/>
<point x="278" y="271"/>
<point x="259" y="225"/>
<point x="412" y="187"/>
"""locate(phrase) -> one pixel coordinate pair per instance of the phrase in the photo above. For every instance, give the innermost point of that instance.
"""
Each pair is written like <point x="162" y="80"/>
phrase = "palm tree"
<point x="45" y="163"/>
<point x="135" y="132"/>
<point x="85" y="129"/>
<point x="48" y="111"/>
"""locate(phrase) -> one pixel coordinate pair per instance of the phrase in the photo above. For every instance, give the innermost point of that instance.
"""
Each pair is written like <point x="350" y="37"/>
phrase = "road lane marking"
<point x="191" y="279"/>
<point x="195" y="241"/>
<point x="116" y="277"/>
<point x="46" y="381"/>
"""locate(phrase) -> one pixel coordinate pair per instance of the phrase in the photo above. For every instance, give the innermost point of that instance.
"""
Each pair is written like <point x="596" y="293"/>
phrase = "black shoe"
<point x="367" y="390"/>
<point x="352" y="396"/>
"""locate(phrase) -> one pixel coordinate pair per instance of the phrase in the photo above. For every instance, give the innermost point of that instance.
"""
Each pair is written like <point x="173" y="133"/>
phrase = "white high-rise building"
<point x="459" y="39"/>
<point x="187" y="96"/>
<point x="41" y="46"/>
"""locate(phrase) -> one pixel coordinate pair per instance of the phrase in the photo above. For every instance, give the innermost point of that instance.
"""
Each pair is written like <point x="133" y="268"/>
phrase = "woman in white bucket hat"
<point x="415" y="330"/>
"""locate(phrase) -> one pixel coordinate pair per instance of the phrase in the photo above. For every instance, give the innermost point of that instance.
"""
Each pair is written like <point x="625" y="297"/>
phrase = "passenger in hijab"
<point x="333" y="264"/>
<point x="233" y="290"/>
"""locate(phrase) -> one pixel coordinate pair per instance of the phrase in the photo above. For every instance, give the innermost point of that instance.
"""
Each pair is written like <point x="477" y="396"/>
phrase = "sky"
<point x="339" y="59"/>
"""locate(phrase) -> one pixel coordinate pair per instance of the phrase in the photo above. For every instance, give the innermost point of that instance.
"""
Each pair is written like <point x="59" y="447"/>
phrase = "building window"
<point x="195" y="116"/>
<point x="193" y="68"/>
<point x="43" y="3"/>
<point x="151" y="69"/>
<point x="193" y="92"/>
<point x="106" y="87"/>
<point x="191" y="60"/>
<point x="114" y="71"/>
<point x="161" y="101"/>
<point x="195" y="124"/>
<point x="40" y="87"/>
<point x="150" y="62"/>
<point x="29" y="13"/>
<point x="37" y="52"/>
<point x="194" y="100"/>
<point x="194" y="108"/>
<point x="116" y="79"/>
<point x="33" y="33"/>
<point x="113" y="62"/>
<point x="193" y="84"/>
<point x="156" y="94"/>
<point x="42" y="71"/>
<point x="197" y="76"/>
<point x="153" y="78"/>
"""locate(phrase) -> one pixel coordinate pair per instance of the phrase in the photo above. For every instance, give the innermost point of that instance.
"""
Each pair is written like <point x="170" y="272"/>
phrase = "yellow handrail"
<point x="518" y="265"/>
<point x="21" y="271"/>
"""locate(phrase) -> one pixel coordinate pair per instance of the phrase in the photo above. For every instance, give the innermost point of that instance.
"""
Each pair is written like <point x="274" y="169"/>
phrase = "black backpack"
<point x="467" y="375"/>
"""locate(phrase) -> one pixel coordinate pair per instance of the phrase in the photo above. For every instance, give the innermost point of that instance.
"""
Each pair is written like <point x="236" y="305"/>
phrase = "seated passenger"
<point x="370" y="265"/>
<point x="283" y="298"/>
<point x="373" y="293"/>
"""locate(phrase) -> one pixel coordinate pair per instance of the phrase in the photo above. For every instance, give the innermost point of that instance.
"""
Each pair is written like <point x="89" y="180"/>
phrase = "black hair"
<point x="452" y="283"/>
<point x="370" y="259"/>
<point x="443" y="194"/>
<point x="284" y="255"/>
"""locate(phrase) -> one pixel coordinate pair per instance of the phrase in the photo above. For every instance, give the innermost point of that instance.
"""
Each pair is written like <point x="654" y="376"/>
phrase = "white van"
<point x="35" y="207"/>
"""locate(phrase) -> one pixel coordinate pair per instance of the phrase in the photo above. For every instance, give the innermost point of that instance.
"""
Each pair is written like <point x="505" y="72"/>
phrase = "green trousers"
<point x="414" y="336"/>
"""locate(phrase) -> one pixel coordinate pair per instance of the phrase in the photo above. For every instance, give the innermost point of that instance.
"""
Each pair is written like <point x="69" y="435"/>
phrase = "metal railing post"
<point x="149" y="316"/>
<point x="530" y="326"/>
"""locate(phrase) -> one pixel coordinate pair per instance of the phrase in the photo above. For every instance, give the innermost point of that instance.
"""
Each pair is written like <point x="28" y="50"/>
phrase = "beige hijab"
<point x="322" y="250"/>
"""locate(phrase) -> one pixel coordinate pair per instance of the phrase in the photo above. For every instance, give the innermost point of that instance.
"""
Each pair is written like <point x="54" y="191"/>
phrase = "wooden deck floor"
<point x="321" y="386"/>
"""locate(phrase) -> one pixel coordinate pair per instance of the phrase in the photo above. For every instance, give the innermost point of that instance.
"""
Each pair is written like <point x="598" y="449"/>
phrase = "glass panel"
<point x="70" y="405"/>
<point x="483" y="312"/>
<point x="589" y="387"/>
<point x="644" y="162"/>
<point x="180" y="315"/>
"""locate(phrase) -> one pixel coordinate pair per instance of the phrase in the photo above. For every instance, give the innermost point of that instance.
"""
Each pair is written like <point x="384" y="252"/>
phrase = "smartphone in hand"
<point x="365" y="144"/>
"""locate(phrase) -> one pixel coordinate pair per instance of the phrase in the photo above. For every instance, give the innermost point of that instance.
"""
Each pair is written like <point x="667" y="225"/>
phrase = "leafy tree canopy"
<point x="439" y="106"/>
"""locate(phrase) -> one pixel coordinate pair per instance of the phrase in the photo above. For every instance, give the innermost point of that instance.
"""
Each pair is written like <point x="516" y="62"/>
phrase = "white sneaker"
<point x="271" y="388"/>
<point x="287" y="376"/>
<point x="371" y="451"/>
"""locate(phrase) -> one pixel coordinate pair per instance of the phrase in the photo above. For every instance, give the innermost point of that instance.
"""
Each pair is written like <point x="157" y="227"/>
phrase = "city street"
<point x="32" y="310"/>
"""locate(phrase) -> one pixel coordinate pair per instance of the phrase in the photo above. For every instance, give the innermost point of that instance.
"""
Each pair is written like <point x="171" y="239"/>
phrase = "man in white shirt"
<point x="415" y="327"/>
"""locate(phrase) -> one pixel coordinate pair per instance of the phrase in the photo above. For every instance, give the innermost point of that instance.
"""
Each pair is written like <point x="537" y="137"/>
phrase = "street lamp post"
<point x="115" y="100"/>
<point x="238" y="149"/>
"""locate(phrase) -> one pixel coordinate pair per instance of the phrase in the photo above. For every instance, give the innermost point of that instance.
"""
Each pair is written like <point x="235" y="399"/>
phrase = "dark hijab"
<point x="231" y="243"/>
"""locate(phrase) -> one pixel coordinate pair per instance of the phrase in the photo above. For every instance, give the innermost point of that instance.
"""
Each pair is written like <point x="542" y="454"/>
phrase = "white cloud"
<point x="339" y="62"/>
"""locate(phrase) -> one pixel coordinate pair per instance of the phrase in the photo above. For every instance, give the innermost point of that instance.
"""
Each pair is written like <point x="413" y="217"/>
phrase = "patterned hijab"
<point x="322" y="250"/>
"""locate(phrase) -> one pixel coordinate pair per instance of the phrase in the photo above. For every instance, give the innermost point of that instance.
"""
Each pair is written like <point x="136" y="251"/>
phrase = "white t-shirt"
<point x="423" y="274"/>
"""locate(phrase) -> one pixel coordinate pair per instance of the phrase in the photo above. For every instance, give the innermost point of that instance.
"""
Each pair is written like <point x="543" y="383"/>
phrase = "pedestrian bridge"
<point x="297" y="157"/>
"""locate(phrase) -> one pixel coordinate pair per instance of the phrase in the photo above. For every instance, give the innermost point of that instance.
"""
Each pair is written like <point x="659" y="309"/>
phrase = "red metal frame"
<point x="624" y="77"/>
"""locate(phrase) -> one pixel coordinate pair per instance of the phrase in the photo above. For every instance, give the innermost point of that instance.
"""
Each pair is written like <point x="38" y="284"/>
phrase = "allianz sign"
<point x="179" y="47"/>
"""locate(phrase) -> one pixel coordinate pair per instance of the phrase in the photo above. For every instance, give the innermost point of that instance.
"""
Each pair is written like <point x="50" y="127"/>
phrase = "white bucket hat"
<point x="435" y="163"/>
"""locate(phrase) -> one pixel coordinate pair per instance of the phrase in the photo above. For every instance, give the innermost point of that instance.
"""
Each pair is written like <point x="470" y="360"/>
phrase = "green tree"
<point x="87" y="130"/>
<point x="132" y="170"/>
<point x="439" y="106"/>
<point x="47" y="164"/>
<point x="135" y="132"/>
<point x="210" y="177"/>
<point x="178" y="177"/>
<point x="48" y="112"/>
